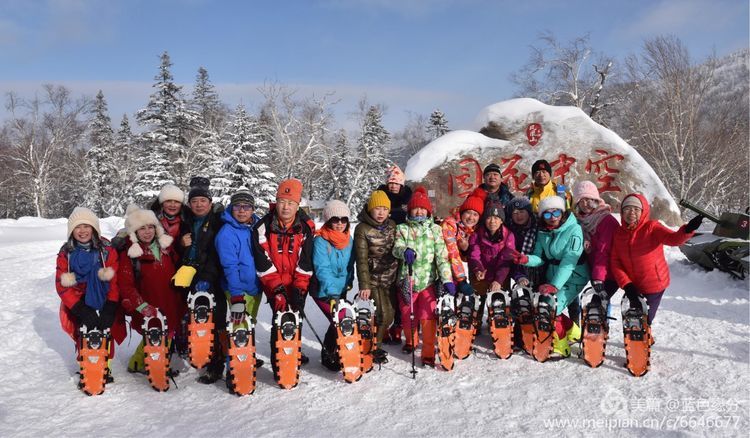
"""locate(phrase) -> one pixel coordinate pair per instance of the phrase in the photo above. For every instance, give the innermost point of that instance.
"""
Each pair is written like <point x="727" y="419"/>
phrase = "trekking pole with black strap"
<point x="300" y="306"/>
<point x="412" y="328"/>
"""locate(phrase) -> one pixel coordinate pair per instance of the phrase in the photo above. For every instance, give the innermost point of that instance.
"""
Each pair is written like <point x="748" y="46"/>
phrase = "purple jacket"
<point x="600" y="247"/>
<point x="493" y="256"/>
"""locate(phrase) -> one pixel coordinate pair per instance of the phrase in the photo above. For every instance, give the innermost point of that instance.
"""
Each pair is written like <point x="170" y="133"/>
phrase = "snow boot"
<point x="349" y="341"/>
<point x="93" y="359"/>
<point x="135" y="363"/>
<point x="394" y="335"/>
<point x="379" y="356"/>
<point x="560" y="347"/>
<point x="201" y="307"/>
<point x="156" y="351"/>
<point x="286" y="348"/>
<point x="500" y="323"/>
<point x="544" y="326"/>
<point x="636" y="336"/>
<point x="573" y="335"/>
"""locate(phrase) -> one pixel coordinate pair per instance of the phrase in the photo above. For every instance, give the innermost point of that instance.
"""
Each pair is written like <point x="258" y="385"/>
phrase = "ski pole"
<point x="309" y="324"/>
<point x="412" y="329"/>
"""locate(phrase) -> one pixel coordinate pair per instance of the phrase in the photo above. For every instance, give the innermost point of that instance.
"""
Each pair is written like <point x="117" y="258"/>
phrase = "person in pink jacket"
<point x="638" y="262"/>
<point x="599" y="226"/>
<point x="491" y="250"/>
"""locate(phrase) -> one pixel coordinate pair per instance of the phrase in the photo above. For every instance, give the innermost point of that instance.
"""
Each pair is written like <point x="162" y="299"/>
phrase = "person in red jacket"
<point x="638" y="262"/>
<point x="85" y="280"/>
<point x="283" y="249"/>
<point x="144" y="277"/>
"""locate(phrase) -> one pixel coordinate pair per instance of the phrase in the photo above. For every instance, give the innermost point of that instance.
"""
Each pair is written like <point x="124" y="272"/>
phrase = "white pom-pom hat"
<point x="136" y="218"/>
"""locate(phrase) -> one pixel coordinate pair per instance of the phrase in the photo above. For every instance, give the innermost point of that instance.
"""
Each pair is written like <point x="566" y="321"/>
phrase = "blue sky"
<point x="412" y="56"/>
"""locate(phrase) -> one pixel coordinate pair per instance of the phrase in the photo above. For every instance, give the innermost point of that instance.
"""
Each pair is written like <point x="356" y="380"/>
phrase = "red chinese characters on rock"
<point x="604" y="172"/>
<point x="534" y="133"/>
<point x="561" y="166"/>
<point x="512" y="176"/>
<point x="469" y="178"/>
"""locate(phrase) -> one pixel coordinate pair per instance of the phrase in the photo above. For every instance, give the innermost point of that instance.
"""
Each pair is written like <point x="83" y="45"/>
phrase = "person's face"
<point x="631" y="214"/>
<point x="243" y="212"/>
<point x="394" y="187"/>
<point x="146" y="233"/>
<point x="552" y="217"/>
<point x="171" y="207"/>
<point x="83" y="233"/>
<point x="541" y="177"/>
<point x="286" y="209"/>
<point x="493" y="223"/>
<point x="338" y="223"/>
<point x="521" y="217"/>
<point x="380" y="214"/>
<point x="200" y="206"/>
<point x="470" y="218"/>
<point x="492" y="180"/>
<point x="418" y="212"/>
<point x="587" y="205"/>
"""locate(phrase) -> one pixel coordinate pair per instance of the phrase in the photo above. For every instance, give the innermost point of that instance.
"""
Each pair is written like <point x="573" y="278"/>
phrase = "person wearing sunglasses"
<point x="423" y="258"/>
<point x="638" y="262"/>
<point x="559" y="244"/>
<point x="374" y="237"/>
<point x="333" y="262"/>
<point x="599" y="226"/>
<point x="240" y="282"/>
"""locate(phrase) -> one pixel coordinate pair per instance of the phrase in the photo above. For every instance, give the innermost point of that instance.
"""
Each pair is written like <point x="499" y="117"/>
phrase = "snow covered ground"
<point x="698" y="383"/>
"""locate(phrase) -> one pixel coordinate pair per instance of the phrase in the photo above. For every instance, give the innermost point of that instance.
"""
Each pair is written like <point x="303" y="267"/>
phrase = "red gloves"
<point x="547" y="289"/>
<point x="279" y="302"/>
<point x="519" y="258"/>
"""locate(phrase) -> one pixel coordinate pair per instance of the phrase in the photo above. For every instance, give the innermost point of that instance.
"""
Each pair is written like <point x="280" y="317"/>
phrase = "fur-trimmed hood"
<point x="136" y="218"/>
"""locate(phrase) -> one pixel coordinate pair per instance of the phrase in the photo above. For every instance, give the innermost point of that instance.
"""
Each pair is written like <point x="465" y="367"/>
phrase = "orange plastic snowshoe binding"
<point x="446" y="331"/>
<point x="241" y="373"/>
<point x="348" y="341"/>
<point x="92" y="359"/>
<point x="286" y="351"/>
<point x="465" y="329"/>
<point x="544" y="326"/>
<point x="501" y="324"/>
<point x="156" y="352"/>
<point x="367" y="328"/>
<point x="637" y="337"/>
<point x="201" y="306"/>
<point x="595" y="332"/>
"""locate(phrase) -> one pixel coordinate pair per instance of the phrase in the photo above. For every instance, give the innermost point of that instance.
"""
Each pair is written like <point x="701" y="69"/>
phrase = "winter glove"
<point x="450" y="288"/>
<point x="519" y="258"/>
<point x="85" y="314"/>
<point x="465" y="288"/>
<point x="598" y="286"/>
<point x="410" y="256"/>
<point x="279" y="302"/>
<point x="237" y="311"/>
<point x="147" y="310"/>
<point x="547" y="289"/>
<point x="631" y="291"/>
<point x="693" y="224"/>
<point x="107" y="314"/>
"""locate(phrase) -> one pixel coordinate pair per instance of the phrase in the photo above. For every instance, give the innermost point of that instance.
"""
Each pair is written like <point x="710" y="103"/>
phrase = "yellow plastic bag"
<point x="184" y="276"/>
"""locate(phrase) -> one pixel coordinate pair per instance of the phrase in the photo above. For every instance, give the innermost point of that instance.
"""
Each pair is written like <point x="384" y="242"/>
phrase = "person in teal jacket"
<point x="333" y="264"/>
<point x="559" y="244"/>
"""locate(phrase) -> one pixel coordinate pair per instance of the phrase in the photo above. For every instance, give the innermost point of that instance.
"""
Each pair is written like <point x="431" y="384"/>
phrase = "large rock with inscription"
<point x="515" y="133"/>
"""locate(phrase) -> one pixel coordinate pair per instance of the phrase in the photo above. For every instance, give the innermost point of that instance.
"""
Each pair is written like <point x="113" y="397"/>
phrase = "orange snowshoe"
<point x="446" y="332"/>
<point x="93" y="355"/>
<point x="524" y="316"/>
<point x="594" y="328"/>
<point x="501" y="323"/>
<point x="286" y="348"/>
<point x="466" y="328"/>
<point x="544" y="326"/>
<point x="367" y="328"/>
<point x="348" y="341"/>
<point x="200" y="328"/>
<point x="156" y="351"/>
<point x="636" y="336"/>
<point x="241" y="369"/>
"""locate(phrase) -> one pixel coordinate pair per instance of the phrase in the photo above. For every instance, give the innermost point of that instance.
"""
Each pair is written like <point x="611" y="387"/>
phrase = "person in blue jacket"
<point x="333" y="263"/>
<point x="240" y="281"/>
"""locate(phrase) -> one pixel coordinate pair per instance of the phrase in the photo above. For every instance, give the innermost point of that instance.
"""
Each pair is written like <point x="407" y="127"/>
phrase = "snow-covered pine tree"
<point x="206" y="102"/>
<point x="101" y="166"/>
<point x="245" y="163"/>
<point x="125" y="155"/>
<point x="371" y="165"/>
<point x="438" y="126"/>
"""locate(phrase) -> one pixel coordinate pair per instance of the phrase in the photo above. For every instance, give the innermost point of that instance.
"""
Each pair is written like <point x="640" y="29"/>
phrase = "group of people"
<point x="552" y="240"/>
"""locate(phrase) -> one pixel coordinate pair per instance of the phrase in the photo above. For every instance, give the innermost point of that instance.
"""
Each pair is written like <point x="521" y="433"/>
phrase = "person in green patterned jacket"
<point x="423" y="258"/>
<point x="376" y="266"/>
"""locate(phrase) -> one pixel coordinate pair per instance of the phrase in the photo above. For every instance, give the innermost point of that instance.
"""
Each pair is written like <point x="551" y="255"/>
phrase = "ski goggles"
<point x="549" y="214"/>
<point x="242" y="207"/>
<point x="339" y="220"/>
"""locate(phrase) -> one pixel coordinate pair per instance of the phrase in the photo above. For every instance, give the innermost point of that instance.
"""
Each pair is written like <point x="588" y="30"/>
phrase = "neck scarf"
<point x="590" y="221"/>
<point x="85" y="262"/>
<point x="338" y="239"/>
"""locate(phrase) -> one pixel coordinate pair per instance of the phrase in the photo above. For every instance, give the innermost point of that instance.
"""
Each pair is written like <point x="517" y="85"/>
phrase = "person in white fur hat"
<point x="333" y="263"/>
<point x="146" y="266"/>
<point x="85" y="279"/>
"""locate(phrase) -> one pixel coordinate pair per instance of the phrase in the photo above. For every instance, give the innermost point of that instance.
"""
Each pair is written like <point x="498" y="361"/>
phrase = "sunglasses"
<point x="339" y="220"/>
<point x="549" y="214"/>
<point x="242" y="207"/>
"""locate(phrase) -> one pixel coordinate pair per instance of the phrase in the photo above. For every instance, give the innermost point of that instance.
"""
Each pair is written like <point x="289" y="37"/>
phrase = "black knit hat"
<point x="541" y="165"/>
<point x="492" y="167"/>
<point x="199" y="186"/>
<point x="242" y="195"/>
<point x="494" y="209"/>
